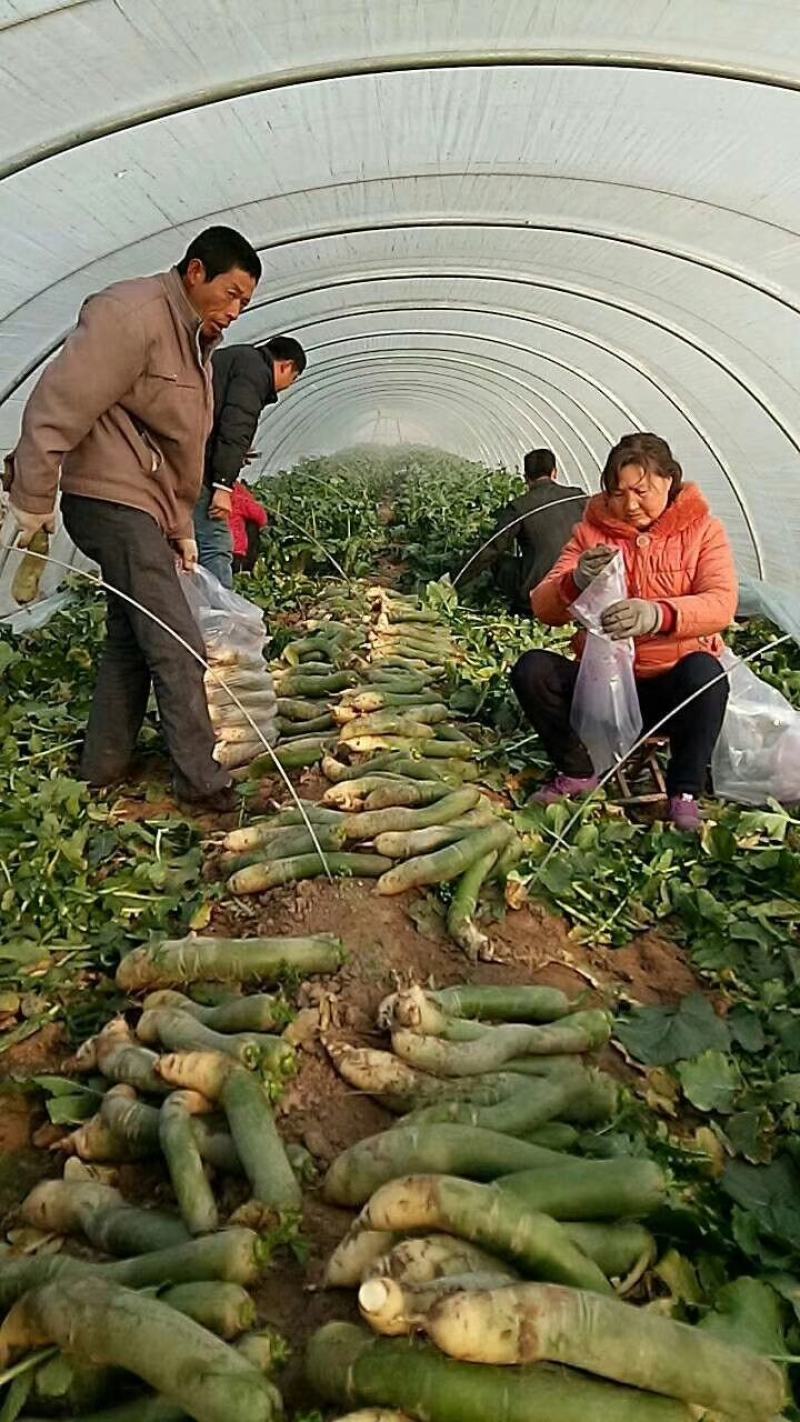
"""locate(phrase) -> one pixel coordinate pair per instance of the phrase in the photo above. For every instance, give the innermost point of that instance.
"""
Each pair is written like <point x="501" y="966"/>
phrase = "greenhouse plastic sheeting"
<point x="491" y="225"/>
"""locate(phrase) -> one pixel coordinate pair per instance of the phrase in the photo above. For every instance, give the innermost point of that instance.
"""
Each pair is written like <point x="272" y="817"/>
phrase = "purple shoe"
<point x="565" y="787"/>
<point x="684" y="812"/>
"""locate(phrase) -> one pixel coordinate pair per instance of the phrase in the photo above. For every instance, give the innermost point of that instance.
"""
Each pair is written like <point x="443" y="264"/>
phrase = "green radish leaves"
<point x="711" y="1082"/>
<point x="659" y="1036"/>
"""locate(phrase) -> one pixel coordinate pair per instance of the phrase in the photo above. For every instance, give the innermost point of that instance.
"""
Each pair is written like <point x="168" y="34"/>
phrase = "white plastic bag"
<point x="234" y="635"/>
<point x="605" y="707"/>
<point x="757" y="756"/>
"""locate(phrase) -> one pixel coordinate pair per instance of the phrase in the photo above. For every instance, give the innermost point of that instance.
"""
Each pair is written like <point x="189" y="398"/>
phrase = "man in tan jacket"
<point x="120" y="418"/>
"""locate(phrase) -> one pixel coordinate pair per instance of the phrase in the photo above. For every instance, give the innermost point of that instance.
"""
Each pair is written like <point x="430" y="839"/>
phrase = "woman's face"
<point x="640" y="497"/>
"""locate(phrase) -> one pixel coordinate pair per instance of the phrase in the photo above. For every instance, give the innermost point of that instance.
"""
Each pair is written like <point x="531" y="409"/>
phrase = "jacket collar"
<point x="188" y="317"/>
<point x="688" y="507"/>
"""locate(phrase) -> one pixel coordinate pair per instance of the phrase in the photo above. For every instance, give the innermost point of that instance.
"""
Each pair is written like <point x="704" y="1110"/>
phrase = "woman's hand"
<point x="633" y="617"/>
<point x="590" y="563"/>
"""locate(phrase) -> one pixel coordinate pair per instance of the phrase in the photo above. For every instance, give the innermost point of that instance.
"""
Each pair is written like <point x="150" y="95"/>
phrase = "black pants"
<point x="544" y="684"/>
<point x="135" y="557"/>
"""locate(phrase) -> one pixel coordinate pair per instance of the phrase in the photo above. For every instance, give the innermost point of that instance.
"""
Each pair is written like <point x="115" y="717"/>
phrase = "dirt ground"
<point x="390" y="942"/>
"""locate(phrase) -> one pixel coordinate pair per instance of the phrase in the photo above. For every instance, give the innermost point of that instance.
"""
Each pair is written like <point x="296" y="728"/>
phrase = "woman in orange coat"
<point x="683" y="593"/>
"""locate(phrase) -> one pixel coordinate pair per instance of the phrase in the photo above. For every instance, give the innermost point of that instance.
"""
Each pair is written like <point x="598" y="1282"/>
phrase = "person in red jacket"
<point x="247" y="518"/>
<point x="683" y="593"/>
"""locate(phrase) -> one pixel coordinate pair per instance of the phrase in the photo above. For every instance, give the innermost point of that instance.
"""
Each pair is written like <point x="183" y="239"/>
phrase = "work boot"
<point x="684" y="813"/>
<point x="566" y="787"/>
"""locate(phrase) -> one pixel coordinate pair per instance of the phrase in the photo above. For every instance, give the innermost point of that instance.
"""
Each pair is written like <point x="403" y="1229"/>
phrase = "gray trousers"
<point x="135" y="557"/>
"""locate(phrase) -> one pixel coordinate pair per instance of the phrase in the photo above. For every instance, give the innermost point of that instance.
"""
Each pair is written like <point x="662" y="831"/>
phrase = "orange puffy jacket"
<point x="683" y="559"/>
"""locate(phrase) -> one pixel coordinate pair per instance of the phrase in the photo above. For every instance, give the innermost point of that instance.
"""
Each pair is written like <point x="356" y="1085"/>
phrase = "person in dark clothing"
<point x="530" y="532"/>
<point x="246" y="380"/>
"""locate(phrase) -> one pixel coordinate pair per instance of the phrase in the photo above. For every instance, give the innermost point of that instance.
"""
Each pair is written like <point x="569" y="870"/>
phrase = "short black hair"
<point x="287" y="348"/>
<point x="220" y="249"/>
<point x="539" y="464"/>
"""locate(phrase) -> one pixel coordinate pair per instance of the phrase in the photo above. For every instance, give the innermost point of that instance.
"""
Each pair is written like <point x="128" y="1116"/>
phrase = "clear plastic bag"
<point x="233" y="628"/>
<point x="234" y="635"/>
<point x="605" y="707"/>
<point x="757" y="756"/>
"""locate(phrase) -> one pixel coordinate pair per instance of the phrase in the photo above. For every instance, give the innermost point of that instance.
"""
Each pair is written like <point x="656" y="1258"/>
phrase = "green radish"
<point x="415" y="1009"/>
<point x="101" y="1214"/>
<point x="310" y="668"/>
<point x="451" y="807"/>
<point x="495" y="1218"/>
<point x="412" y="793"/>
<point x="291" y="709"/>
<point x="578" y="1033"/>
<point x="615" y="1248"/>
<point x="350" y="794"/>
<point x="284" y="844"/>
<point x="258" y="878"/>
<point x="257" y="1013"/>
<point x="121" y="1059"/>
<point x="30" y="568"/>
<point x="116" y="1327"/>
<point x="295" y="754"/>
<point x="347" y="1365"/>
<point x="444" y="864"/>
<point x="184" y="1163"/>
<point x="449" y="749"/>
<point x="258" y="1143"/>
<point x="392" y="763"/>
<point x="445" y="1149"/>
<point x="136" y="1126"/>
<point x="356" y="1257"/>
<point x="554" y="1135"/>
<point x="461" y="924"/>
<point x="568" y="1093"/>
<point x="400" y="1087"/>
<point x="237" y="1256"/>
<point x="394" y="679"/>
<point x="303" y="684"/>
<point x="179" y="1032"/>
<point x="291" y="730"/>
<point x="424" y="1258"/>
<point x="408" y="844"/>
<point x="531" y="1323"/>
<point x="227" y="960"/>
<point x="203" y="1072"/>
<point x="383" y="723"/>
<point x="226" y="1310"/>
<point x="243" y="840"/>
<point x="503" y="1004"/>
<point x="363" y="700"/>
<point x="95" y="1142"/>
<point x="591" y="1189"/>
<point x="266" y="1349"/>
<point x="396" y="1310"/>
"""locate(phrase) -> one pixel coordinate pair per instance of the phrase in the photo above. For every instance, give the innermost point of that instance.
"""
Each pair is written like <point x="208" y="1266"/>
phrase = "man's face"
<point x="222" y="300"/>
<point x="285" y="373"/>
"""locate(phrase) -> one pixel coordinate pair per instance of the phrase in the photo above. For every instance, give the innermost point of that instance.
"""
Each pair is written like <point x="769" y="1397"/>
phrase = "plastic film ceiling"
<point x="491" y="224"/>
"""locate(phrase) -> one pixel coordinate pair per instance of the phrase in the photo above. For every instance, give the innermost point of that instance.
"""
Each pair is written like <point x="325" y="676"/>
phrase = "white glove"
<point x="29" y="524"/>
<point x="187" y="552"/>
<point x="591" y="562"/>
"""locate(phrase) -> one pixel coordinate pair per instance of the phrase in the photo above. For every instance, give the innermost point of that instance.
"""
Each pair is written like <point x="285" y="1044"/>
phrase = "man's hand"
<point x="221" y="504"/>
<point x="29" y="524"/>
<point x="590" y="563"/>
<point x="187" y="553"/>
<point x="633" y="617"/>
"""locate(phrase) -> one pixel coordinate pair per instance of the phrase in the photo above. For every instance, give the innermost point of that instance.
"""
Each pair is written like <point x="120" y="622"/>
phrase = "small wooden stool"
<point x="643" y="765"/>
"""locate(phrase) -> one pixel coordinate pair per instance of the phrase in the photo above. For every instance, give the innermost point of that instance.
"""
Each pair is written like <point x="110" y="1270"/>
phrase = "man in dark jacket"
<point x="530" y="532"/>
<point x="246" y="380"/>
